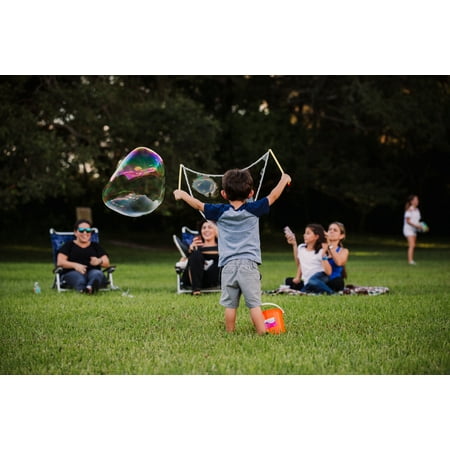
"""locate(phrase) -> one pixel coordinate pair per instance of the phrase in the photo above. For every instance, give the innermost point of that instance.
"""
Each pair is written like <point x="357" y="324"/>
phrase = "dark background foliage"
<point x="355" y="146"/>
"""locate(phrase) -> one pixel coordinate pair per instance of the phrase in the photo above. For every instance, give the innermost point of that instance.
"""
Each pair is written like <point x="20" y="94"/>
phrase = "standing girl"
<point x="411" y="225"/>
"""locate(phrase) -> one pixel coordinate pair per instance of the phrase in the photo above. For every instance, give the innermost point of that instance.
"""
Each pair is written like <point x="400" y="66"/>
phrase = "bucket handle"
<point x="273" y="304"/>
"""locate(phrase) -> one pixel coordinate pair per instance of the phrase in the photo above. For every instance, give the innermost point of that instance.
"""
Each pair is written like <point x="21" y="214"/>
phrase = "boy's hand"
<point x="286" y="178"/>
<point x="278" y="189"/>
<point x="178" y="193"/>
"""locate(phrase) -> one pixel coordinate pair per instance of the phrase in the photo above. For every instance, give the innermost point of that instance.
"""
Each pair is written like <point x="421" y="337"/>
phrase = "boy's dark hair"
<point x="77" y="223"/>
<point x="237" y="184"/>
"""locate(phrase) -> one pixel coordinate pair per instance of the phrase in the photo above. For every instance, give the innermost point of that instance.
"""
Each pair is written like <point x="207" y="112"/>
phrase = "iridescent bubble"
<point x="138" y="184"/>
<point x="205" y="186"/>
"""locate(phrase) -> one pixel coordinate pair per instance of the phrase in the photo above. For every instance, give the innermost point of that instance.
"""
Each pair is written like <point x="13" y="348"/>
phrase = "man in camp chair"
<point x="82" y="260"/>
<point x="198" y="268"/>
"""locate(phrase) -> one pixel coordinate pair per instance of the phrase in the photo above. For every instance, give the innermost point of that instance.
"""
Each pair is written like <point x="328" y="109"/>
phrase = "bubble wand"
<point x="276" y="160"/>
<point x="179" y="176"/>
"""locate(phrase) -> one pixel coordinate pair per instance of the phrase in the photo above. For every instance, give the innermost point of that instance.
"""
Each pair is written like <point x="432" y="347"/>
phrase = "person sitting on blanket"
<point x="308" y="256"/>
<point x="202" y="270"/>
<point x="334" y="255"/>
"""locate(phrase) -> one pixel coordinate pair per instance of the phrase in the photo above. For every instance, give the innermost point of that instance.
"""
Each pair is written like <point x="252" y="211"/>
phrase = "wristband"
<point x="324" y="258"/>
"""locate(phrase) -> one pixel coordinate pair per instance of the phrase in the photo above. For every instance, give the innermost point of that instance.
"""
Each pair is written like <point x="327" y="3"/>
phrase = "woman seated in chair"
<point x="82" y="260"/>
<point x="202" y="270"/>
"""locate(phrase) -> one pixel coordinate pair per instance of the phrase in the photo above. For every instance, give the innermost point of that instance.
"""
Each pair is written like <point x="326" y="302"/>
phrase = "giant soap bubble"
<point x="137" y="186"/>
<point x="205" y="186"/>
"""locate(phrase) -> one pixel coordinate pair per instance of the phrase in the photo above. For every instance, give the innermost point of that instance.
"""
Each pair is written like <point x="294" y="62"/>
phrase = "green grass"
<point x="153" y="330"/>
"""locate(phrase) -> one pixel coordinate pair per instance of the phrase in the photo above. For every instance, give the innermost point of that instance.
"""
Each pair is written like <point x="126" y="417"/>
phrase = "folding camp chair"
<point x="57" y="239"/>
<point x="182" y="244"/>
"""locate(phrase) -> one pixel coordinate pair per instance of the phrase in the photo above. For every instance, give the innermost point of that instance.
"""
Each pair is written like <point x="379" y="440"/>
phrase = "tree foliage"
<point x="354" y="145"/>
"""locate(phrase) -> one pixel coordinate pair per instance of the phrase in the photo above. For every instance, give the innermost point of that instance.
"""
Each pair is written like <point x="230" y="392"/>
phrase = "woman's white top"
<point x="414" y="216"/>
<point x="310" y="261"/>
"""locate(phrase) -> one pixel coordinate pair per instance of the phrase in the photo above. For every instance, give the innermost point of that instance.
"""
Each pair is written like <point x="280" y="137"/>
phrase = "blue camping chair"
<point x="57" y="239"/>
<point x="182" y="244"/>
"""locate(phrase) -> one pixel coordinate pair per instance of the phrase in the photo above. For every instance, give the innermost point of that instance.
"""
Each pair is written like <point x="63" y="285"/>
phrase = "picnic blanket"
<point x="350" y="289"/>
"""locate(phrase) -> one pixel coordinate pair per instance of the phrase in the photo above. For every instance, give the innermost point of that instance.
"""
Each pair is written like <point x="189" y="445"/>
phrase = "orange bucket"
<point x="273" y="319"/>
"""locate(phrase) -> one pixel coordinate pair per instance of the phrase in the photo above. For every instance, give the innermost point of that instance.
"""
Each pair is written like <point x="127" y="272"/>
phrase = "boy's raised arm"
<point x="179" y="194"/>
<point x="278" y="189"/>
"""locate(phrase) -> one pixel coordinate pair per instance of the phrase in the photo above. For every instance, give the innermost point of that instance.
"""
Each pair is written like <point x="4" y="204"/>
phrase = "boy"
<point x="239" y="242"/>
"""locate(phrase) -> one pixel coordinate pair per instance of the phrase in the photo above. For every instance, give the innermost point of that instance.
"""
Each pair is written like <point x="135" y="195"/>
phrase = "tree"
<point x="354" y="145"/>
<point x="62" y="137"/>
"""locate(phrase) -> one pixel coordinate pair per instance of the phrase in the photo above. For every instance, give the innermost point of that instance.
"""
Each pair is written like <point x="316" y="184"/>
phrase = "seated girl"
<point x="308" y="256"/>
<point x="335" y="256"/>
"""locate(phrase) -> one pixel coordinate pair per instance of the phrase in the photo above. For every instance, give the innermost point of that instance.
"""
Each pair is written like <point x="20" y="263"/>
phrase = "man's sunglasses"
<point x="85" y="230"/>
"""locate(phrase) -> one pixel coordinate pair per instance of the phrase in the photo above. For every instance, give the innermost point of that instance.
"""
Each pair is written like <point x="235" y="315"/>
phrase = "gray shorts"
<point x="240" y="276"/>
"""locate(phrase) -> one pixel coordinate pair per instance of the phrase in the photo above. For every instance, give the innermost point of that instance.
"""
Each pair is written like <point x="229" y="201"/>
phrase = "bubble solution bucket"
<point x="273" y="319"/>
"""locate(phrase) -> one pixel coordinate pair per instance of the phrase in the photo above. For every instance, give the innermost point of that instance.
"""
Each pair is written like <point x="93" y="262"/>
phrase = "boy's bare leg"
<point x="230" y="319"/>
<point x="258" y="320"/>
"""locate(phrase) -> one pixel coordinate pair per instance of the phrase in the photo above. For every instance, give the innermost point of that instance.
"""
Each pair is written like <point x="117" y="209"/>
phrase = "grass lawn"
<point x="146" y="328"/>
